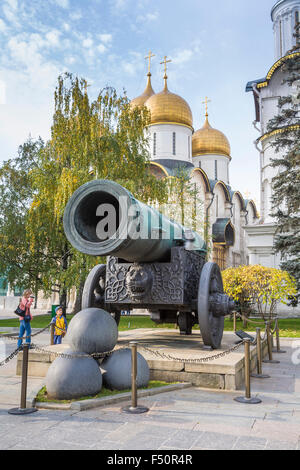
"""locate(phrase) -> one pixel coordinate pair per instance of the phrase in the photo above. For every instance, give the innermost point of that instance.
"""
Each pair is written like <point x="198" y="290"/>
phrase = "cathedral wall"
<point x="170" y="141"/>
<point x="284" y="20"/>
<point x="215" y="166"/>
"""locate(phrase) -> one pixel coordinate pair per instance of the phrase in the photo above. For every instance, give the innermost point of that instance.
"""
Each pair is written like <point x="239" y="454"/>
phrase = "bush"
<point x="258" y="289"/>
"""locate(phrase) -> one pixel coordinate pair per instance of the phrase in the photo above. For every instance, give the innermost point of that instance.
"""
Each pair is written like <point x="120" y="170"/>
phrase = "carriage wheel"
<point x="211" y="325"/>
<point x="94" y="291"/>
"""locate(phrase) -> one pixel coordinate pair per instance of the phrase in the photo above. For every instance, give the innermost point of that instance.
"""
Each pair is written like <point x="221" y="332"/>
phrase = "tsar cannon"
<point x="152" y="263"/>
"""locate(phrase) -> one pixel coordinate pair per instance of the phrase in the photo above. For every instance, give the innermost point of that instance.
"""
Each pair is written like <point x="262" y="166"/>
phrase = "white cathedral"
<point x="240" y="235"/>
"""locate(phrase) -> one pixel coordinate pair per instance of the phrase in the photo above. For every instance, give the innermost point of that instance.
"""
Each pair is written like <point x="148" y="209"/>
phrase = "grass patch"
<point x="289" y="328"/>
<point x="42" y="396"/>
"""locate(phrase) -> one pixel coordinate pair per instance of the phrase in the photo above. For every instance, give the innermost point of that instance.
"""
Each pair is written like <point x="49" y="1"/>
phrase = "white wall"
<point x="164" y="142"/>
<point x="207" y="163"/>
<point x="283" y="26"/>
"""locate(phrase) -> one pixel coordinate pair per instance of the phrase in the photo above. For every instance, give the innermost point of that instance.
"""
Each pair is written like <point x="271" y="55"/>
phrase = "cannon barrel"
<point x="103" y="218"/>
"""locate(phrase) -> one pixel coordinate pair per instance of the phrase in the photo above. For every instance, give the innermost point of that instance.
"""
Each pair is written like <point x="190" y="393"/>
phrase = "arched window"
<point x="154" y="143"/>
<point x="216" y="169"/>
<point x="297" y="27"/>
<point x="174" y="143"/>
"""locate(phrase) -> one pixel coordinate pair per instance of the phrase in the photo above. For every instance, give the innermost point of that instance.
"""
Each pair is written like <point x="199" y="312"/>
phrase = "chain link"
<point x="255" y="321"/>
<point x="10" y="357"/>
<point x="71" y="356"/>
<point x="14" y="336"/>
<point x="191" y="361"/>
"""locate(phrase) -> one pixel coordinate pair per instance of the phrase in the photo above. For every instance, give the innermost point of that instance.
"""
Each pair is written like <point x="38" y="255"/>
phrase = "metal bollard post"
<point x="52" y="327"/>
<point x="259" y="374"/>
<point x="23" y="410"/>
<point x="234" y="322"/>
<point x="278" y="350"/>
<point x="247" y="398"/>
<point x="269" y="341"/>
<point x="134" y="408"/>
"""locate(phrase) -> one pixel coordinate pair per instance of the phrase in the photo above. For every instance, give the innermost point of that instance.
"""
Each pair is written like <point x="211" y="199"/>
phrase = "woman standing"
<point x="25" y="326"/>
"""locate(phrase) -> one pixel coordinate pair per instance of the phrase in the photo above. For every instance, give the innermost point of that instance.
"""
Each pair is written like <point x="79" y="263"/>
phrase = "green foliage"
<point x="17" y="262"/>
<point x="257" y="288"/>
<point x="104" y="135"/>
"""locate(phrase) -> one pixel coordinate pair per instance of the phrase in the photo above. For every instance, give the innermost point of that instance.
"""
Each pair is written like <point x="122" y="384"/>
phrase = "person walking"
<point x="25" y="327"/>
<point x="60" y="323"/>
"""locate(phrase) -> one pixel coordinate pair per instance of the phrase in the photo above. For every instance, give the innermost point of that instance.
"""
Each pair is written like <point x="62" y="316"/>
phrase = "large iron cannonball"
<point x="116" y="370"/>
<point x="92" y="330"/>
<point x="74" y="377"/>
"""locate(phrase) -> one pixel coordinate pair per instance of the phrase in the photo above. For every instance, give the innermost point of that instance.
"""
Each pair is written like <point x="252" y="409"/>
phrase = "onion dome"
<point x="166" y="107"/>
<point x="141" y="100"/>
<point x="208" y="140"/>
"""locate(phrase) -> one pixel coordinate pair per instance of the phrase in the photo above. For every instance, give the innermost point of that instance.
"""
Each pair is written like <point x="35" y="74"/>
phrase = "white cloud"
<point x="101" y="48"/>
<point x="53" y="38"/>
<point x="76" y="15"/>
<point x="183" y="56"/>
<point x="88" y="42"/>
<point x="10" y="8"/>
<point x="62" y="3"/>
<point x="152" y="16"/>
<point x="66" y="27"/>
<point x="106" y="38"/>
<point x="70" y="60"/>
<point x="13" y="4"/>
<point x="26" y="56"/>
<point x="3" y="27"/>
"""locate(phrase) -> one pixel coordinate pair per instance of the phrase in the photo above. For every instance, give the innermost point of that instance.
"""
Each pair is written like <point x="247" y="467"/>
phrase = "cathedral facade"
<point x="205" y="154"/>
<point x="266" y="92"/>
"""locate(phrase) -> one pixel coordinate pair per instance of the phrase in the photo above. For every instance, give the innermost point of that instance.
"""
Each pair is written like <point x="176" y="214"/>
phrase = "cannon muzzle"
<point x="103" y="218"/>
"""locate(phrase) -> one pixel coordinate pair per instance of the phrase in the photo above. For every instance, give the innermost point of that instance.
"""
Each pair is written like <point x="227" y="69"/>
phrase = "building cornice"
<point x="274" y="67"/>
<point x="294" y="127"/>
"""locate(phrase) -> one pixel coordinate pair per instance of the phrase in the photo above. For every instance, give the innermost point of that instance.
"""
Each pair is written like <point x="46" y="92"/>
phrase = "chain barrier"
<point x="14" y="336"/>
<point x="10" y="357"/>
<point x="74" y="355"/>
<point x="191" y="361"/>
<point x="141" y="346"/>
<point x="255" y="321"/>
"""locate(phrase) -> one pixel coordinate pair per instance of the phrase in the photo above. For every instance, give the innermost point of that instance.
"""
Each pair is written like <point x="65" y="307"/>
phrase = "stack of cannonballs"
<point x="92" y="330"/>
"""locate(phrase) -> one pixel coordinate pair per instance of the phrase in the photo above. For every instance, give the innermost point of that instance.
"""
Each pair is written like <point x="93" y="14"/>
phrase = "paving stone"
<point x="216" y="441"/>
<point x="183" y="439"/>
<point x="280" y="445"/>
<point x="250" y="443"/>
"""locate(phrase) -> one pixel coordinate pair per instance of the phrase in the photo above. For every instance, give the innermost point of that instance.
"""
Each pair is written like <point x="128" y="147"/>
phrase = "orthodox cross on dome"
<point x="206" y="101"/>
<point x="149" y="57"/>
<point x="165" y="62"/>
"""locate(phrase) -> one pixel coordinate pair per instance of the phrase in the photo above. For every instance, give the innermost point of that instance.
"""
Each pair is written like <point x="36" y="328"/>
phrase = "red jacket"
<point x="25" y="304"/>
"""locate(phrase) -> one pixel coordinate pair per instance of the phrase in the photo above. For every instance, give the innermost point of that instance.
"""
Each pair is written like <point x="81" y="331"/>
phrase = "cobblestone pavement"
<point x="187" y="419"/>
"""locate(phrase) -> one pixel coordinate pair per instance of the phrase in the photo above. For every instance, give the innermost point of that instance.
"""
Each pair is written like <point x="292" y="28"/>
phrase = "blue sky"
<point x="215" y="47"/>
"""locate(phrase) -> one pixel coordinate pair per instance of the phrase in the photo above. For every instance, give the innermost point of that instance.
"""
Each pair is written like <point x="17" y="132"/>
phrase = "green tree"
<point x="105" y="136"/>
<point x="18" y="263"/>
<point x="286" y="184"/>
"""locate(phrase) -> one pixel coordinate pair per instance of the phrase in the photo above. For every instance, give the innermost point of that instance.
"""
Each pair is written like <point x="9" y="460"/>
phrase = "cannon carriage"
<point x="153" y="262"/>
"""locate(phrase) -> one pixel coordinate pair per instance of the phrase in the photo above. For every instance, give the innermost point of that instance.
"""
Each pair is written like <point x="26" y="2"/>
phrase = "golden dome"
<point x="210" y="141"/>
<point x="166" y="107"/>
<point x="148" y="92"/>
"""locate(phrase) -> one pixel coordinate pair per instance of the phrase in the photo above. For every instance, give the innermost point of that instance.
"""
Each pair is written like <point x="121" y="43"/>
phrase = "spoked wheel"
<point x="210" y="287"/>
<point x="94" y="291"/>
